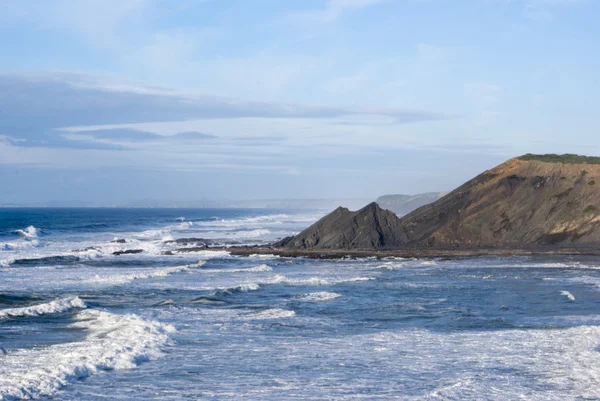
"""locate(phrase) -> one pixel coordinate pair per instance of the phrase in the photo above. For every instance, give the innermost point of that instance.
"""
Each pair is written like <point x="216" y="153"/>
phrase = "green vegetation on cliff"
<point x="566" y="158"/>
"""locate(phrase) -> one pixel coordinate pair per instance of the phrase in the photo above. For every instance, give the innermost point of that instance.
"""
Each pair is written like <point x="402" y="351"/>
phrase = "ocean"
<point x="80" y="323"/>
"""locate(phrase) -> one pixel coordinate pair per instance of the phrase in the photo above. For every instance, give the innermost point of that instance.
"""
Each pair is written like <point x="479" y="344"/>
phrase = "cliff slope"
<point x="527" y="201"/>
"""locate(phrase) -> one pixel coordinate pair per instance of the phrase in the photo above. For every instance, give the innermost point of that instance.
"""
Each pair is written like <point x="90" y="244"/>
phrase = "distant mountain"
<point x="404" y="204"/>
<point x="313" y="204"/>
<point x="533" y="200"/>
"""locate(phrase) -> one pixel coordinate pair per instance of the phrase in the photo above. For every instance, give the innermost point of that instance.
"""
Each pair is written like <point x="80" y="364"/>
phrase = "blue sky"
<point x="119" y="101"/>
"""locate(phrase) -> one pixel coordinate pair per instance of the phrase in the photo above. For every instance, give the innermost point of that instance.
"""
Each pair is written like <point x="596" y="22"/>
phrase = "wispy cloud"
<point x="31" y="105"/>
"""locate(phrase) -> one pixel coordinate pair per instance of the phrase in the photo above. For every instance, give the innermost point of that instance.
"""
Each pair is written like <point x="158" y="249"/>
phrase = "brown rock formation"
<point x="528" y="201"/>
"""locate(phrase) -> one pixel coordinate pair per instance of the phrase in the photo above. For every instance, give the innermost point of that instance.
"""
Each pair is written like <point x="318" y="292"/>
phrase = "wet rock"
<point x="128" y="252"/>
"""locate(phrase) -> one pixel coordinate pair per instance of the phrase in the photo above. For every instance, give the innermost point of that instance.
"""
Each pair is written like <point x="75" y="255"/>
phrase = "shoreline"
<point x="399" y="253"/>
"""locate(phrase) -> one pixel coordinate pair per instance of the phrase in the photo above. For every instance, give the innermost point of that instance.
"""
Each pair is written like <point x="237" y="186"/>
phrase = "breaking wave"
<point x="259" y="268"/>
<point x="567" y="294"/>
<point x="58" y="306"/>
<point x="117" y="279"/>
<point x="239" y="288"/>
<point x="318" y="280"/>
<point x="318" y="296"/>
<point x="28" y="233"/>
<point x="274" y="313"/>
<point x="113" y="342"/>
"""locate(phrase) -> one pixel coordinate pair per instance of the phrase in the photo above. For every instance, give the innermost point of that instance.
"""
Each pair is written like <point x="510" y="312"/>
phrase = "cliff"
<point x="533" y="200"/>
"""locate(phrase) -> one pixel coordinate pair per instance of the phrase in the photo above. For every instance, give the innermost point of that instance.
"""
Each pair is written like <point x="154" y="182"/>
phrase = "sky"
<point x="111" y="101"/>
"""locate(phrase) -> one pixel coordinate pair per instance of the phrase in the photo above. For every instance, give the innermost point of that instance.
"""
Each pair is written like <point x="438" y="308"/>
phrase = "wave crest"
<point x="274" y="313"/>
<point x="318" y="296"/>
<point x="113" y="342"/>
<point x="58" y="306"/>
<point x="28" y="233"/>
<point x="260" y="268"/>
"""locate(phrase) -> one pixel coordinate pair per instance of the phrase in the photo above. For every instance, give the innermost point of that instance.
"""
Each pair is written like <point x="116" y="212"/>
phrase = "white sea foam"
<point x="249" y="221"/>
<point x="184" y="225"/>
<point x="261" y="232"/>
<point x="58" y="306"/>
<point x="259" y="268"/>
<point x="117" y="279"/>
<point x="207" y="254"/>
<point x="319" y="296"/>
<point x="567" y="294"/>
<point x="264" y="256"/>
<point x="29" y="232"/>
<point x="113" y="342"/>
<point x="246" y="287"/>
<point x="428" y="263"/>
<point x="274" y="313"/>
<point x="152" y="234"/>
<point x="318" y="280"/>
<point x="6" y="262"/>
<point x="18" y="245"/>
<point x="392" y="265"/>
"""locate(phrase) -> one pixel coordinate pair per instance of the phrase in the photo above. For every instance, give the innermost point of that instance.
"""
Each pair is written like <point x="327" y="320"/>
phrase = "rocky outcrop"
<point x="370" y="227"/>
<point x="527" y="201"/>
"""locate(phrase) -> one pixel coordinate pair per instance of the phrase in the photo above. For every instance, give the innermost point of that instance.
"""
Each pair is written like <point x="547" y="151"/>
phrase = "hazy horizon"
<point x="121" y="101"/>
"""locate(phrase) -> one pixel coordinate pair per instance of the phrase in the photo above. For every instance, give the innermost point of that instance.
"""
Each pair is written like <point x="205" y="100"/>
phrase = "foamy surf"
<point x="117" y="279"/>
<point x="259" y="268"/>
<point x="113" y="342"/>
<point x="392" y="265"/>
<point x="58" y="306"/>
<point x="319" y="280"/>
<point x="29" y="232"/>
<point x="240" y="288"/>
<point x="266" y="256"/>
<point x="274" y="313"/>
<point x="567" y="294"/>
<point x="318" y="296"/>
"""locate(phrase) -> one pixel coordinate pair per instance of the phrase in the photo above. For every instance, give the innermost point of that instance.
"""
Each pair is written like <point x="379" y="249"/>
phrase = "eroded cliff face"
<point x="520" y="203"/>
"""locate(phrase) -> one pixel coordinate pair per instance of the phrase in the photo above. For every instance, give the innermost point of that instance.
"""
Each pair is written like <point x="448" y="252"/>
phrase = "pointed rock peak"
<point x="341" y="210"/>
<point x="373" y="206"/>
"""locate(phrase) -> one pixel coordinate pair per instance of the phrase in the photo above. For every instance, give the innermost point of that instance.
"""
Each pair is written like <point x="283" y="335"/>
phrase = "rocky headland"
<point x="532" y="203"/>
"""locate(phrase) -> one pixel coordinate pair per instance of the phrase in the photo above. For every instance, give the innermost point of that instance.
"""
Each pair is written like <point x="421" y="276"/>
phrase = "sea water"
<point x="80" y="323"/>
